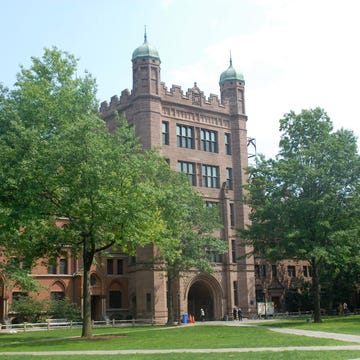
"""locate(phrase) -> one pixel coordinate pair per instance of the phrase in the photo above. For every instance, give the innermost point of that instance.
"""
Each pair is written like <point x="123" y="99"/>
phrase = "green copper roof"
<point x="231" y="75"/>
<point x="145" y="51"/>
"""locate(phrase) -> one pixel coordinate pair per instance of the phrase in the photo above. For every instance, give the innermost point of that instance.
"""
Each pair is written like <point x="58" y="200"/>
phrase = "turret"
<point x="232" y="86"/>
<point x="146" y="69"/>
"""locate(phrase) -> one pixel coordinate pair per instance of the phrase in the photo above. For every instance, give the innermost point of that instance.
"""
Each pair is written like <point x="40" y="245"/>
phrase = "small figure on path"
<point x="234" y="313"/>
<point x="240" y="314"/>
<point x="202" y="314"/>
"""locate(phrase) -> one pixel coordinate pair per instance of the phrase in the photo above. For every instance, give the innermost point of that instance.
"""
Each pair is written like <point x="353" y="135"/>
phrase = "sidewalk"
<point x="250" y="323"/>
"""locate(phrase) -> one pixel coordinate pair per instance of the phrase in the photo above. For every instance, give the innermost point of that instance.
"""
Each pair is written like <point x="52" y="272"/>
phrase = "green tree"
<point x="190" y="239"/>
<point x="305" y="202"/>
<point x="62" y="162"/>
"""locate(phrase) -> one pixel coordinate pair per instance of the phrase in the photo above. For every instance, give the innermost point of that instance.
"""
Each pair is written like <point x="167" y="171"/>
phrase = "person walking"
<point x="240" y="314"/>
<point x="235" y="313"/>
<point x="202" y="314"/>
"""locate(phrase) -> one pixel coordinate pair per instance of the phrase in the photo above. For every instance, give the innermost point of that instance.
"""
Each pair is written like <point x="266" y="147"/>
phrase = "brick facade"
<point x="159" y="115"/>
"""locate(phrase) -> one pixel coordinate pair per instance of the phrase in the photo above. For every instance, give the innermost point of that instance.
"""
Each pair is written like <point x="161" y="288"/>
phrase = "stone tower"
<point x="205" y="138"/>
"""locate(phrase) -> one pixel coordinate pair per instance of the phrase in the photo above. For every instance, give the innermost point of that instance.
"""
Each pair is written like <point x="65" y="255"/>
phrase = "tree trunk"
<point x="316" y="290"/>
<point x="169" y="299"/>
<point x="88" y="255"/>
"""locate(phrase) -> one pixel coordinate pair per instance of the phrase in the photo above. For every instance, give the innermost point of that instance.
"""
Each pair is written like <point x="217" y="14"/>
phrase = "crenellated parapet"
<point x="116" y="102"/>
<point x="193" y="97"/>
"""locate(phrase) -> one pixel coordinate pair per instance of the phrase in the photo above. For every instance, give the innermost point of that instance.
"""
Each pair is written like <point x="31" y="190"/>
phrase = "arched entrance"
<point x="204" y="293"/>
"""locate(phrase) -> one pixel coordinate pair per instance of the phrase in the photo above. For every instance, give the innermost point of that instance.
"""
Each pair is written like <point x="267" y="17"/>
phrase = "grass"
<point x="286" y="355"/>
<point x="341" y="324"/>
<point x="188" y="337"/>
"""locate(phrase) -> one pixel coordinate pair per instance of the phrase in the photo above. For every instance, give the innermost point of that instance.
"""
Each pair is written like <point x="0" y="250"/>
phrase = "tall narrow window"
<point x="229" y="178"/>
<point x="236" y="298"/>
<point x="233" y="251"/>
<point x="227" y="144"/>
<point x="209" y="140"/>
<point x="189" y="169"/>
<point x="210" y="176"/>
<point x="63" y="266"/>
<point x="120" y="266"/>
<point x="185" y="136"/>
<point x="232" y="216"/>
<point x="110" y="266"/>
<point x="165" y="133"/>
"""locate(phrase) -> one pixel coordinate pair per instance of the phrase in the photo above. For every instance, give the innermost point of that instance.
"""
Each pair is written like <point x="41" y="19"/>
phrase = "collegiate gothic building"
<point x="205" y="138"/>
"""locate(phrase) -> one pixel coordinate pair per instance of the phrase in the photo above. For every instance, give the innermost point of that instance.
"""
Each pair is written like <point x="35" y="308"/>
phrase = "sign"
<point x="265" y="308"/>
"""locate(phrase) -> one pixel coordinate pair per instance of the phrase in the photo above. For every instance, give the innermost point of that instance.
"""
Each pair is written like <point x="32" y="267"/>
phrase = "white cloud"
<point x="306" y="54"/>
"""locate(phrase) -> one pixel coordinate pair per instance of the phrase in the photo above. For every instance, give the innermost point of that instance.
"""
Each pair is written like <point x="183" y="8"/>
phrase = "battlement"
<point x="193" y="97"/>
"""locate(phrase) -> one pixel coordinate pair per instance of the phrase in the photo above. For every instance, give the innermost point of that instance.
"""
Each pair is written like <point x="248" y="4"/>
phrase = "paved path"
<point x="319" y="334"/>
<point x="181" y="351"/>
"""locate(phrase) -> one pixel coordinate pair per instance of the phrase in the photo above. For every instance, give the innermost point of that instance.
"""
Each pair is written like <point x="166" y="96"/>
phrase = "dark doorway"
<point x="200" y="297"/>
<point x="96" y="308"/>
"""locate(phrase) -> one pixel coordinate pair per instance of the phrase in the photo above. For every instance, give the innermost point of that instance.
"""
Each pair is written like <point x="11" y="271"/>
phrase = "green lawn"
<point x="337" y="324"/>
<point x="184" y="337"/>
<point x="286" y="355"/>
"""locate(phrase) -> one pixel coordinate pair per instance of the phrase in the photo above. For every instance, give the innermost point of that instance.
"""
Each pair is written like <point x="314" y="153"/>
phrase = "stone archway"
<point x="205" y="293"/>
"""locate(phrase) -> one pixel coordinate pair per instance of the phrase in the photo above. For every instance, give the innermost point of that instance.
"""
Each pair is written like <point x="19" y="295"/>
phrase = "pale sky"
<point x="294" y="54"/>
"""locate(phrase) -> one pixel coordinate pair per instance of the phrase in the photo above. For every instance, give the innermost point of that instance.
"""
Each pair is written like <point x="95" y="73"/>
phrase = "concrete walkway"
<point x="250" y="323"/>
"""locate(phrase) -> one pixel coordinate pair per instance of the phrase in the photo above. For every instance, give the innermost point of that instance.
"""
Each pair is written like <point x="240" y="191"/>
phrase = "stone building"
<point x="207" y="139"/>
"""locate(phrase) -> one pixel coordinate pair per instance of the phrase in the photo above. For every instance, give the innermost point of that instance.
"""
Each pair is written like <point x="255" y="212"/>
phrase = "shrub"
<point x="27" y="309"/>
<point x="64" y="309"/>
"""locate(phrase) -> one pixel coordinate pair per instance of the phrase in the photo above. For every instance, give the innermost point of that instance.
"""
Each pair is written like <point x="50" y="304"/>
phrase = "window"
<point x="236" y="299"/>
<point x="210" y="176"/>
<point x="189" y="169"/>
<point x="291" y="271"/>
<point x="185" y="136"/>
<point x="307" y="271"/>
<point x="209" y="141"/>
<point x="52" y="267"/>
<point x="211" y="204"/>
<point x="260" y="271"/>
<point x="274" y="270"/>
<point x="110" y="266"/>
<point x="228" y="144"/>
<point x="233" y="251"/>
<point x="120" y="266"/>
<point x="229" y="181"/>
<point x="115" y="299"/>
<point x="63" y="266"/>
<point x="232" y="215"/>
<point x="257" y="271"/>
<point x="165" y="133"/>
<point x="214" y="256"/>
<point x="17" y="295"/>
<point x="57" y="295"/>
<point x="93" y="280"/>
<point x="263" y="270"/>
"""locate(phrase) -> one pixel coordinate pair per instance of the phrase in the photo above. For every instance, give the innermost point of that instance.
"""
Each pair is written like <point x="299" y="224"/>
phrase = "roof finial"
<point x="145" y="36"/>
<point x="230" y="59"/>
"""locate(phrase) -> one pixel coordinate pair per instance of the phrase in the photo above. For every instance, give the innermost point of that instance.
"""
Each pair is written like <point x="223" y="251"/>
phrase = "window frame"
<point x="209" y="140"/>
<point x="185" y="136"/>
<point x="210" y="175"/>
